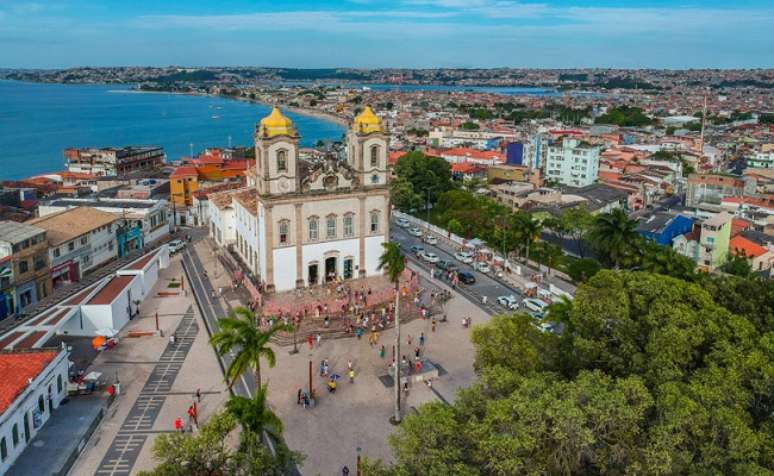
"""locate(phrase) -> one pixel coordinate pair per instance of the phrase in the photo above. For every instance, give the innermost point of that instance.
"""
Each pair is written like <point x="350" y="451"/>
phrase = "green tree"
<point x="615" y="238"/>
<point x="469" y="126"/>
<point x="583" y="269"/>
<point x="255" y="415"/>
<point x="403" y="196"/>
<point x="454" y="226"/>
<point x="393" y="263"/>
<point x="429" y="176"/>
<point x="576" y="222"/>
<point x="738" y="265"/>
<point x="665" y="260"/>
<point x="240" y="332"/>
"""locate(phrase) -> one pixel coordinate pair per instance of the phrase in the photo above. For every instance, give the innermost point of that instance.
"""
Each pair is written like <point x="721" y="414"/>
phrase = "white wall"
<point x="374" y="249"/>
<point x="285" y="268"/>
<point x="27" y="404"/>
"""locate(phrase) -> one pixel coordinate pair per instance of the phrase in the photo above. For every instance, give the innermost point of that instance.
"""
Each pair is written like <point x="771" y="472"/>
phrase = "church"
<point x="300" y="222"/>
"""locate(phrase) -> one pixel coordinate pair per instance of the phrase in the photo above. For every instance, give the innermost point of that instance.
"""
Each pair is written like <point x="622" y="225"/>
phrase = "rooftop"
<point x="94" y="202"/>
<point x="15" y="232"/>
<point x="111" y="290"/>
<point x="69" y="224"/>
<point x="17" y="369"/>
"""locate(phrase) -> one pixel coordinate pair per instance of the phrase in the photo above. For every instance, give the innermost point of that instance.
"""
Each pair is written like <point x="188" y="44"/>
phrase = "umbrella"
<point x="98" y="342"/>
<point x="334" y="376"/>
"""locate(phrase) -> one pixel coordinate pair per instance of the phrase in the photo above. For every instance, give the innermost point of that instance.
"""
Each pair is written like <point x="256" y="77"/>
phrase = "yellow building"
<point x="183" y="182"/>
<point x="505" y="173"/>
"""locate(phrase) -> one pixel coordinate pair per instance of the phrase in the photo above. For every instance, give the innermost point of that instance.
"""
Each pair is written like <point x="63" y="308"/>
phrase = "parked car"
<point x="466" y="277"/>
<point x="545" y="327"/>
<point x="431" y="240"/>
<point x="429" y="257"/>
<point x="414" y="231"/>
<point x="417" y="250"/>
<point x="508" y="302"/>
<point x="176" y="245"/>
<point x="446" y="265"/>
<point x="536" y="315"/>
<point x="482" y="267"/>
<point x="402" y="222"/>
<point x="464" y="257"/>
<point x="535" y="305"/>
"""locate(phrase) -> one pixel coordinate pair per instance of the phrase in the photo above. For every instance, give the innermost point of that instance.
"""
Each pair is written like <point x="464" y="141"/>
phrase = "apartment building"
<point x="25" y="267"/>
<point x="712" y="188"/>
<point x="80" y="239"/>
<point x="572" y="162"/>
<point x="113" y="160"/>
<point x="761" y="160"/>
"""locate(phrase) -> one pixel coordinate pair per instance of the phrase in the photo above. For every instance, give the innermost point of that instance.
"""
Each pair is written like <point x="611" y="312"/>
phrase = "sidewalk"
<point x="158" y="381"/>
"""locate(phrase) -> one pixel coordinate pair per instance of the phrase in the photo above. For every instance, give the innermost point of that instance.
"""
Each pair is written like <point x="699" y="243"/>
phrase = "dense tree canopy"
<point x="420" y="177"/>
<point x="652" y="375"/>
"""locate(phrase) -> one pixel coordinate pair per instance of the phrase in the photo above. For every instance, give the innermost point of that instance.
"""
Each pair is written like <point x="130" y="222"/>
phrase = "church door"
<point x="330" y="269"/>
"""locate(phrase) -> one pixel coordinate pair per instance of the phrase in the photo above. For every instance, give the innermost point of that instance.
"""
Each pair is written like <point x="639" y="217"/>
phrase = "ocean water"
<point x="38" y="121"/>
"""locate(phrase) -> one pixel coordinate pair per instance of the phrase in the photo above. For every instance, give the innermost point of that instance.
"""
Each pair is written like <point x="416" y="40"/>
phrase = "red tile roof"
<point x="10" y="338"/>
<point x="742" y="246"/>
<point x="78" y="298"/>
<point x="17" y="368"/>
<point x="185" y="171"/>
<point x="140" y="263"/>
<point x="738" y="225"/>
<point x="111" y="290"/>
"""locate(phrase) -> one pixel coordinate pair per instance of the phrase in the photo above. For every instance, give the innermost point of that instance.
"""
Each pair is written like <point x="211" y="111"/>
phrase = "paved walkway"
<point x="158" y="381"/>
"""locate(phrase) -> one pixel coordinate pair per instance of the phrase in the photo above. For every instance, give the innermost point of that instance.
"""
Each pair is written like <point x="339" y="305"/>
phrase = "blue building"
<point x="514" y="153"/>
<point x="664" y="227"/>
<point x="129" y="238"/>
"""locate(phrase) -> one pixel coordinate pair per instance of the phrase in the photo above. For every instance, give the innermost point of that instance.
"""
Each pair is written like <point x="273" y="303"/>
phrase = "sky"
<point x="399" y="33"/>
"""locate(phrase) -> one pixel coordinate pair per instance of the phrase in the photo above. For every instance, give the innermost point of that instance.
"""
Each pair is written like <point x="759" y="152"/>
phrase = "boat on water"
<point x="215" y="116"/>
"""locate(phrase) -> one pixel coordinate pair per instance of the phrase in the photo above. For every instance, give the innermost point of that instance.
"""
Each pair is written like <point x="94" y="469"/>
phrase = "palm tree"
<point x="393" y="263"/>
<point x="240" y="332"/>
<point x="529" y="230"/>
<point x="614" y="235"/>
<point x="255" y="415"/>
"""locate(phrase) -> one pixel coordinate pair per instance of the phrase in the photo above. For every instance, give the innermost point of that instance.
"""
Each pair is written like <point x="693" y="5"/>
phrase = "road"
<point x="485" y="284"/>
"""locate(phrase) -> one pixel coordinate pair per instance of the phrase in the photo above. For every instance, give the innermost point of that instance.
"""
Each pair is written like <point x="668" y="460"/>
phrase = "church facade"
<point x="318" y="220"/>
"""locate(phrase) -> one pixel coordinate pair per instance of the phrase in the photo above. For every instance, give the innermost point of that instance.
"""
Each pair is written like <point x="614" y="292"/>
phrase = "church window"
<point x="330" y="226"/>
<point x="284" y="227"/>
<point x="313" y="223"/>
<point x="282" y="161"/>
<point x="374" y="221"/>
<point x="348" y="225"/>
<point x="374" y="155"/>
<point x="374" y="178"/>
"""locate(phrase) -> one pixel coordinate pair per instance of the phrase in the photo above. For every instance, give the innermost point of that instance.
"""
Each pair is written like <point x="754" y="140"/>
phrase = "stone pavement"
<point x="158" y="381"/>
<point x="357" y="414"/>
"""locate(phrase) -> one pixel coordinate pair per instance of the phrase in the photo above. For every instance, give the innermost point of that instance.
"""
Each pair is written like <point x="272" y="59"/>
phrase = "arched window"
<point x="375" y="221"/>
<point x="15" y="434"/>
<point x="282" y="161"/>
<point x="41" y="404"/>
<point x="313" y="223"/>
<point x="59" y="383"/>
<point x="374" y="156"/>
<point x="330" y="227"/>
<point x="284" y="232"/>
<point x="3" y="449"/>
<point x="349" y="229"/>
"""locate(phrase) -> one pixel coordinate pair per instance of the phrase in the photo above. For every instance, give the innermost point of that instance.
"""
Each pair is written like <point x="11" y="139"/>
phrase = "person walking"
<point x="310" y="341"/>
<point x="351" y="375"/>
<point x="179" y="424"/>
<point x="198" y="395"/>
<point x="318" y="338"/>
<point x="298" y="397"/>
<point x="409" y="340"/>
<point x="422" y="339"/>
<point x="381" y="352"/>
<point x="433" y="325"/>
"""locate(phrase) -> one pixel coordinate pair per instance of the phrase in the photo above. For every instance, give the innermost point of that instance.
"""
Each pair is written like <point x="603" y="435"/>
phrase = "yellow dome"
<point x="367" y="122"/>
<point x="276" y="124"/>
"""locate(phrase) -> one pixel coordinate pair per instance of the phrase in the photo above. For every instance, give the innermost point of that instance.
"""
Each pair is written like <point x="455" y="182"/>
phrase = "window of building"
<point x="41" y="404"/>
<point x="59" y="383"/>
<point x="374" y="222"/>
<point x="282" y="161"/>
<point x="15" y="434"/>
<point x="3" y="449"/>
<point x="57" y="253"/>
<point x="374" y="178"/>
<point x="374" y="155"/>
<point x="348" y="225"/>
<point x="313" y="222"/>
<point x="23" y="267"/>
<point x="284" y="227"/>
<point x="330" y="227"/>
<point x="40" y="262"/>
<point x="71" y="246"/>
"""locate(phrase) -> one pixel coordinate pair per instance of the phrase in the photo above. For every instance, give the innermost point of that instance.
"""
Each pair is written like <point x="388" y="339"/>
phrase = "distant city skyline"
<point x="373" y="34"/>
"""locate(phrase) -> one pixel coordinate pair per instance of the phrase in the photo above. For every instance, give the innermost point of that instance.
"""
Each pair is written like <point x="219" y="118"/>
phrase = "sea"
<point x="38" y="121"/>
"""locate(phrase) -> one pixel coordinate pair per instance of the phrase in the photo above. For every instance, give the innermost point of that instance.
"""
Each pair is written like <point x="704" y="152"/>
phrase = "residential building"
<point x="712" y="188"/>
<point x="245" y="208"/>
<point x="113" y="160"/>
<point x="33" y="385"/>
<point x="80" y="239"/>
<point x="141" y="221"/>
<point x="759" y="257"/>
<point x="572" y="162"/>
<point x="664" y="227"/>
<point x="708" y="242"/>
<point x="761" y="160"/>
<point x="28" y="273"/>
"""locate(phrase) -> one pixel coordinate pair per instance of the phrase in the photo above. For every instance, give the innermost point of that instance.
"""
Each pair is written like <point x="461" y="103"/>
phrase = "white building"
<point x="152" y="215"/>
<point x="79" y="239"/>
<point x="303" y="222"/>
<point x="572" y="162"/>
<point x="450" y="137"/>
<point x="33" y="385"/>
<point x="762" y="160"/>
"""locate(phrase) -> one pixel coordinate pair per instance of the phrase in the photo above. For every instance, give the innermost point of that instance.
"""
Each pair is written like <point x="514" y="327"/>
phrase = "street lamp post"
<point x="357" y="467"/>
<point x="295" y="345"/>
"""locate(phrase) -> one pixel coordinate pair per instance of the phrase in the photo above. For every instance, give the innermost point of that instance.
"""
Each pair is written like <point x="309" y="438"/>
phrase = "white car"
<point x="508" y="302"/>
<point x="431" y="240"/>
<point x="535" y="305"/>
<point x="545" y="327"/>
<point x="175" y="246"/>
<point x="464" y="257"/>
<point x="429" y="257"/>
<point x="414" y="231"/>
<point x="482" y="267"/>
<point x="402" y="222"/>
